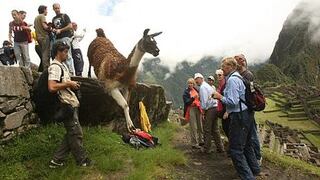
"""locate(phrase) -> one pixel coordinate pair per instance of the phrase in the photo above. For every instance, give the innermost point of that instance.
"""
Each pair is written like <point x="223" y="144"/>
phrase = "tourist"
<point x="42" y="33"/>
<point x="241" y="125"/>
<point x="73" y="139"/>
<point x="209" y="107"/>
<point x="20" y="29"/>
<point x="76" y="51"/>
<point x="7" y="54"/>
<point x="248" y="76"/>
<point x="210" y="81"/>
<point x="192" y="113"/>
<point x="63" y="30"/>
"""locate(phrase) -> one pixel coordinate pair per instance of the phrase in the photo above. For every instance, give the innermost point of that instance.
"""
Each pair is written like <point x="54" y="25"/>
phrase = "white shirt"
<point x="77" y="37"/>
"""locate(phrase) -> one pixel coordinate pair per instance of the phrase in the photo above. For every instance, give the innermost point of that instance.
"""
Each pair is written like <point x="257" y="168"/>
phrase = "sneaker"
<point x="85" y="163"/>
<point x="55" y="164"/>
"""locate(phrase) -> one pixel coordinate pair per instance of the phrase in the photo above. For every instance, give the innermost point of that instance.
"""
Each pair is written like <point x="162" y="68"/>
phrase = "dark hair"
<point x="15" y="11"/>
<point x="41" y="9"/>
<point x="59" y="47"/>
<point x="22" y="12"/>
<point x="6" y="43"/>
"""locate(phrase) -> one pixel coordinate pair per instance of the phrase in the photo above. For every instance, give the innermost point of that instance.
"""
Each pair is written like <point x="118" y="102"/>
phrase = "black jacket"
<point x="187" y="100"/>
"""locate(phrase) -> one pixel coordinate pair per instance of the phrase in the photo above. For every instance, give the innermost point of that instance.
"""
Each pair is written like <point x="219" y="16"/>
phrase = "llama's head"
<point x="148" y="44"/>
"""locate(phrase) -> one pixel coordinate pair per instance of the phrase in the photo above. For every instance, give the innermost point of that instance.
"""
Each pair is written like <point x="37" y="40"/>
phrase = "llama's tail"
<point x="100" y="32"/>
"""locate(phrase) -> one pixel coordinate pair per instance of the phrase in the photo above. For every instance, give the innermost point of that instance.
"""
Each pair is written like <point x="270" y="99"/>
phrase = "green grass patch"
<point x="314" y="139"/>
<point x="289" y="162"/>
<point x="28" y="155"/>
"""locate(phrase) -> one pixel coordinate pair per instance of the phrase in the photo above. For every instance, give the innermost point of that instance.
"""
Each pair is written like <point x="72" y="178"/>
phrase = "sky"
<point x="191" y="28"/>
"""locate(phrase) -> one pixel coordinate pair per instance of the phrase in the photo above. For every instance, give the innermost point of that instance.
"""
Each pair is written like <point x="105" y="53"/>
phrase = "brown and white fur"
<point x="116" y="71"/>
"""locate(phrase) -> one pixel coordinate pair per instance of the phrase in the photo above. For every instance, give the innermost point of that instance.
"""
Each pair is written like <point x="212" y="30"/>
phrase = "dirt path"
<point x="219" y="166"/>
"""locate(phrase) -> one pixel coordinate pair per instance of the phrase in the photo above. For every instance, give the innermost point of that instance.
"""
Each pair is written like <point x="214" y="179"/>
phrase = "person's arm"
<point x="79" y="35"/>
<point x="203" y="98"/>
<point x="231" y="93"/>
<point x="186" y="98"/>
<point x="54" y="86"/>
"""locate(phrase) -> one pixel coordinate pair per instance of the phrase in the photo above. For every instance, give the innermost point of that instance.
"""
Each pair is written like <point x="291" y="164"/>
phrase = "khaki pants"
<point x="196" y="130"/>
<point x="211" y="129"/>
<point x="72" y="141"/>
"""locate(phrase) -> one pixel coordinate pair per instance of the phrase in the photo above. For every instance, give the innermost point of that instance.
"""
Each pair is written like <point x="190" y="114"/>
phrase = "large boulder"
<point x="98" y="107"/>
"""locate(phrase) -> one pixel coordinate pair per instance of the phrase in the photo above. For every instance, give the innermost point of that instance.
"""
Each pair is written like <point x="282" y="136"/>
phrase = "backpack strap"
<point x="243" y="80"/>
<point x="62" y="71"/>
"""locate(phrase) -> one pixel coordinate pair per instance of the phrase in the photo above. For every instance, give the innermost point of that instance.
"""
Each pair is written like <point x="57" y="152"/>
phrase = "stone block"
<point x="14" y="120"/>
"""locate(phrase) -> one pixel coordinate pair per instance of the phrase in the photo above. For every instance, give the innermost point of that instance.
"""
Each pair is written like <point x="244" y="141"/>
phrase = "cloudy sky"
<point x="191" y="28"/>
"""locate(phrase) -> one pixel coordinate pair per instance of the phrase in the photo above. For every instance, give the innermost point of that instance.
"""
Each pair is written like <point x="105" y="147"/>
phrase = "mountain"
<point x="175" y="82"/>
<point x="297" y="50"/>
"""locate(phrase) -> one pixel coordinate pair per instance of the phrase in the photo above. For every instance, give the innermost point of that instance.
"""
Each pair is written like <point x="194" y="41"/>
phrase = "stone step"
<point x="314" y="102"/>
<point x="271" y="110"/>
<point x="298" y="119"/>
<point x="297" y="106"/>
<point x="296" y="114"/>
<point x="298" y="109"/>
<point x="283" y="115"/>
<point x="295" y="102"/>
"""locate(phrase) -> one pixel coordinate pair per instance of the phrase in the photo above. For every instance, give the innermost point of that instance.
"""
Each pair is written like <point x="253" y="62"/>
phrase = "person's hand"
<point x="58" y="31"/>
<point x="73" y="85"/>
<point x="217" y="95"/>
<point x="225" y="115"/>
<point x="196" y="96"/>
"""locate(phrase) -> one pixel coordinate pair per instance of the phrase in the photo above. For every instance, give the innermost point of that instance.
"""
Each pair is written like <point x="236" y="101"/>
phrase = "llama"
<point x="116" y="71"/>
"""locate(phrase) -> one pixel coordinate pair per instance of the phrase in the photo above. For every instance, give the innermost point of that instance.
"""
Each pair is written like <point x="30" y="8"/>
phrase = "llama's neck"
<point x="135" y="56"/>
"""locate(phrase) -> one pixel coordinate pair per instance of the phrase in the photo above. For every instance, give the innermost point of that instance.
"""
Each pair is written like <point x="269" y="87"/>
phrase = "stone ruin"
<point x="284" y="140"/>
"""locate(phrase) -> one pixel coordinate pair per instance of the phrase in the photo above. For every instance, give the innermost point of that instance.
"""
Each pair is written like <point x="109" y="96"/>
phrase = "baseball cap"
<point x="211" y="77"/>
<point x="198" y="75"/>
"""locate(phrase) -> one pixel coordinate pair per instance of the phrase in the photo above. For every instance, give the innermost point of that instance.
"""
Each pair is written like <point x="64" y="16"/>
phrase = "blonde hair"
<point x="191" y="80"/>
<point x="231" y="61"/>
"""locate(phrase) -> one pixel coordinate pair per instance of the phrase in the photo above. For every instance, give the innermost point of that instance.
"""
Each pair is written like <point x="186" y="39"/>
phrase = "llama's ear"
<point x="145" y="33"/>
<point x="155" y="34"/>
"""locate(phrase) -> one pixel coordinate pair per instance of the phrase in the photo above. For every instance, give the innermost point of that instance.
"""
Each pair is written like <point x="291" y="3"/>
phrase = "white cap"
<point x="198" y="75"/>
<point x="219" y="71"/>
<point x="211" y="77"/>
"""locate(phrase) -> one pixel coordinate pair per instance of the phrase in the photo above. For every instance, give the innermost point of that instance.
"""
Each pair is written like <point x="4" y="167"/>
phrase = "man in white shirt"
<point x="76" y="51"/>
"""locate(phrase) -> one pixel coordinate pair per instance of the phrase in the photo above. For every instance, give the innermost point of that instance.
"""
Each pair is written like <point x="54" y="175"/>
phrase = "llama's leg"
<point x="89" y="71"/>
<point x="116" y="94"/>
<point x="126" y="94"/>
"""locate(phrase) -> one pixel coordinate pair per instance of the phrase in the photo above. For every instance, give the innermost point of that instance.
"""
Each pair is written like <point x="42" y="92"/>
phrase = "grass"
<point x="28" y="155"/>
<point x="289" y="162"/>
<point x="261" y="117"/>
<point x="314" y="139"/>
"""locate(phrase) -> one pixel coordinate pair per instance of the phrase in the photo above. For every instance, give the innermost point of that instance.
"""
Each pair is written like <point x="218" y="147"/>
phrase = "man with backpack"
<point x="241" y="125"/>
<point x="59" y="82"/>
<point x="64" y="31"/>
<point x="248" y="76"/>
<point x="7" y="54"/>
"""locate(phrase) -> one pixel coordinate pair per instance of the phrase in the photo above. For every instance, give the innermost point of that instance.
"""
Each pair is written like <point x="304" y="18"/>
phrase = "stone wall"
<point x="16" y="109"/>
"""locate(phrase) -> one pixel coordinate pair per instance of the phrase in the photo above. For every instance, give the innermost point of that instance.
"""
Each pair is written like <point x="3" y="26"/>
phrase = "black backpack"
<point x="46" y="102"/>
<point x="255" y="100"/>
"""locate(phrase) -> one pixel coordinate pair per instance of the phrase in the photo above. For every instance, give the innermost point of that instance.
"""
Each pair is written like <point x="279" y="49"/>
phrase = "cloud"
<point x="191" y="28"/>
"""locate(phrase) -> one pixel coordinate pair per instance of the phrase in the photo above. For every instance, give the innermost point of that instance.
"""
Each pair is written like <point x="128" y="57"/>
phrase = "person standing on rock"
<point x="192" y="113"/>
<point x="60" y="82"/>
<point x="42" y="35"/>
<point x="241" y="127"/>
<point x="64" y="31"/>
<point x="20" y="30"/>
<point x="76" y="50"/>
<point x="209" y="107"/>
<point x="248" y="76"/>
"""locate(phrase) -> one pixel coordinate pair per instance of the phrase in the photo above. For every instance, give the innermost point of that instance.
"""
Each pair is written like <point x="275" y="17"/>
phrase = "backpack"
<point x="140" y="139"/>
<point x="46" y="102"/>
<point x="254" y="98"/>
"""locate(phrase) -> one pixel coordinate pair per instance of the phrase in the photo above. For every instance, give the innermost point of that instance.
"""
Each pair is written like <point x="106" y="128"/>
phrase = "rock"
<point x="2" y="115"/>
<point x="19" y="108"/>
<point x="9" y="106"/>
<point x="29" y="107"/>
<point x="28" y="75"/>
<point x="3" y="99"/>
<point x="98" y="107"/>
<point x="14" y="120"/>
<point x="13" y="82"/>
<point x="7" y="133"/>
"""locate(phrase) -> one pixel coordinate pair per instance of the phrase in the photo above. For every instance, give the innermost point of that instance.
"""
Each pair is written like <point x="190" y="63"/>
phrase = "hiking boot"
<point x="85" y="163"/>
<point x="55" y="164"/>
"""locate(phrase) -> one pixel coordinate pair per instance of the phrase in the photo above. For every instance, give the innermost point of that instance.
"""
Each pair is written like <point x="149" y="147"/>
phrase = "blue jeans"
<point x="69" y="62"/>
<point x="21" y="51"/>
<point x="241" y="150"/>
<point x="255" y="138"/>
